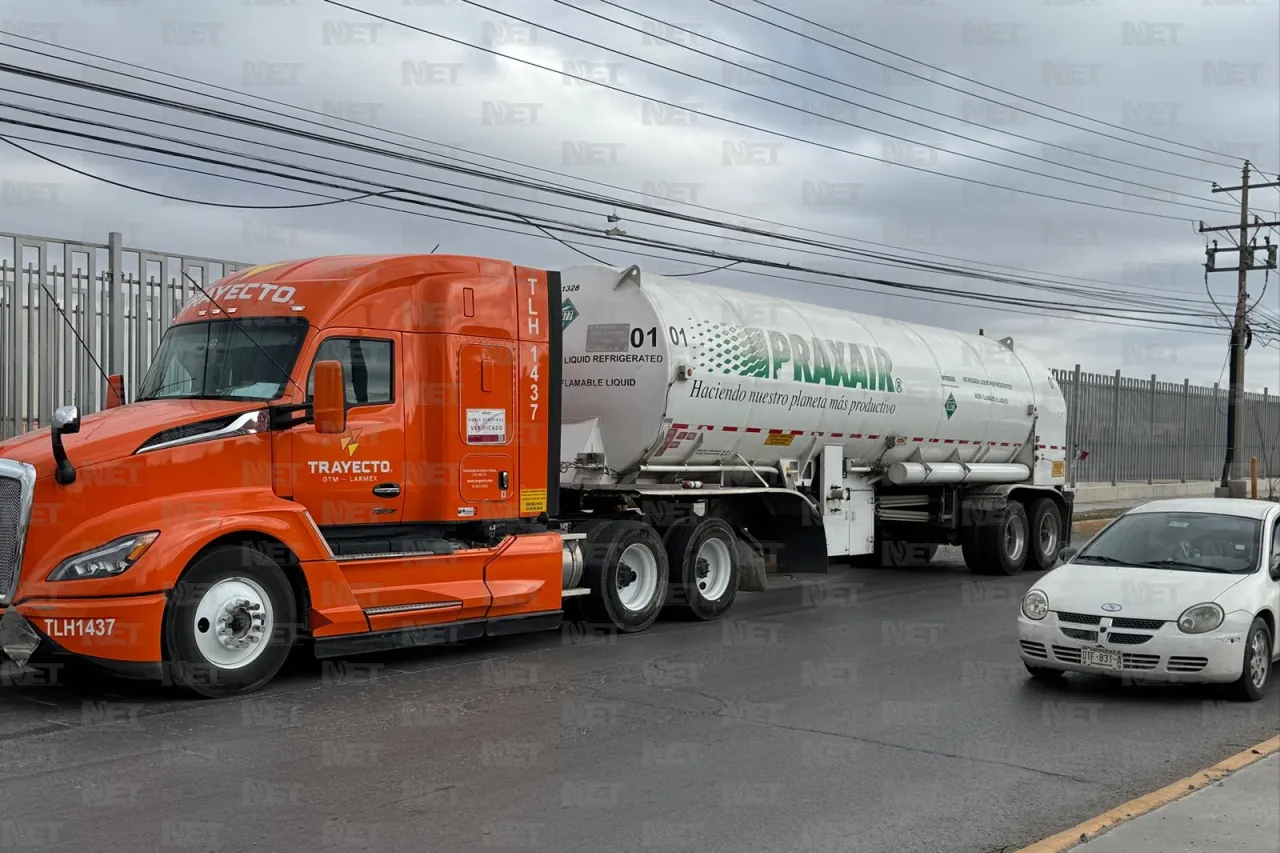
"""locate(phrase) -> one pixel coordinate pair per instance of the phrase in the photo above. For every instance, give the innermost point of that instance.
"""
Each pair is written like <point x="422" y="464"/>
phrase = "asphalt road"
<point x="874" y="711"/>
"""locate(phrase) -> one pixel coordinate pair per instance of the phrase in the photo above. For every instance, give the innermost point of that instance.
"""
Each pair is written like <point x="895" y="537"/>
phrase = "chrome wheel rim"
<point x="1015" y="538"/>
<point x="637" y="578"/>
<point x="1259" y="664"/>
<point x="233" y="622"/>
<point x="712" y="569"/>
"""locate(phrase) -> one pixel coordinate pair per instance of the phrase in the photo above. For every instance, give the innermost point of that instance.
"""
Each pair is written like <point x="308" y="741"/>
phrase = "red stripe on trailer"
<point x="705" y="426"/>
<point x="964" y="441"/>
<point x="801" y="432"/>
<point x="855" y="435"/>
<point x="679" y="426"/>
<point x="948" y="441"/>
<point x="872" y="437"/>
<point x="837" y="435"/>
<point x="728" y="429"/>
<point x="917" y="440"/>
<point x="753" y="429"/>
<point x="1002" y="444"/>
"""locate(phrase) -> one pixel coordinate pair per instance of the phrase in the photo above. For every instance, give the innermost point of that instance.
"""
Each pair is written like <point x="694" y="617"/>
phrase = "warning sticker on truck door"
<point x="486" y="426"/>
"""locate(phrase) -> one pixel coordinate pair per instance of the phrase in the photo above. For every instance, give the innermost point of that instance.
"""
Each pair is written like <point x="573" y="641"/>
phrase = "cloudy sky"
<point x="1202" y="76"/>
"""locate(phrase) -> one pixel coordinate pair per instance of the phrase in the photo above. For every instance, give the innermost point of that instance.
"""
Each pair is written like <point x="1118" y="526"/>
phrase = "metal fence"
<point x="115" y="302"/>
<point x="71" y="311"/>
<point x="1144" y="430"/>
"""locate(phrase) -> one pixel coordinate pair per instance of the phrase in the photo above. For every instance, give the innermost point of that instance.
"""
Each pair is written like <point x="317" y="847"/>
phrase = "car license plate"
<point x="1102" y="658"/>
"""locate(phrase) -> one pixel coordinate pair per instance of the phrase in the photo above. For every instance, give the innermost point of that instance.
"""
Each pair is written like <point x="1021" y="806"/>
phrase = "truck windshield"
<point x="249" y="359"/>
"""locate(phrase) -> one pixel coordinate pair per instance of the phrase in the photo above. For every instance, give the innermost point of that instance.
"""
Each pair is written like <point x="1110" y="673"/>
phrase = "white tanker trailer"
<point x="806" y="432"/>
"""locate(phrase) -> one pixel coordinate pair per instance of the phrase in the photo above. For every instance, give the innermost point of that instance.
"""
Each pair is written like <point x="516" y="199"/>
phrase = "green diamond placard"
<point x="950" y="405"/>
<point x="570" y="314"/>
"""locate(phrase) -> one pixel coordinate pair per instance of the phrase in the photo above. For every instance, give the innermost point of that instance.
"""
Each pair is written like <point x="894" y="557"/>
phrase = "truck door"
<point x="357" y="477"/>
<point x="836" y="502"/>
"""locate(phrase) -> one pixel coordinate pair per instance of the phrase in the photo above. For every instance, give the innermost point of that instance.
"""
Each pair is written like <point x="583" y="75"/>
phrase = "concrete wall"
<point x="1134" y="493"/>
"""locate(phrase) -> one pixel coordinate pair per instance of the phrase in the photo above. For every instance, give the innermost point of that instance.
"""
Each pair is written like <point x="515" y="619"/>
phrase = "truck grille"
<point x="17" y="482"/>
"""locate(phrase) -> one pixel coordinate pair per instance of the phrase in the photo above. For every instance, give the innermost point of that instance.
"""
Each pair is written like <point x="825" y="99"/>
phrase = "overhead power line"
<point x="543" y="186"/>
<point x="867" y="257"/>
<point x="747" y="125"/>
<point x="921" y="62"/>
<point x="489" y="212"/>
<point x="863" y="106"/>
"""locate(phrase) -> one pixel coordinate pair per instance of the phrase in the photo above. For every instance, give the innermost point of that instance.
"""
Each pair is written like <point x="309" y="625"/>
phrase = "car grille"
<point x="11" y="530"/>
<point x="1079" y="618"/>
<point x="1077" y="634"/>
<point x="1139" y="624"/>
<point x="1186" y="664"/>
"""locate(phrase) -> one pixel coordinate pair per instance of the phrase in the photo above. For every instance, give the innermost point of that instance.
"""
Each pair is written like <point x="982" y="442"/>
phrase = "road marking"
<point x="1091" y="829"/>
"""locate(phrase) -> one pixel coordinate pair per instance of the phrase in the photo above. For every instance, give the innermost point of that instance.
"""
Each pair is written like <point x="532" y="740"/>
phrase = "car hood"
<point x="116" y="433"/>
<point x="1141" y="593"/>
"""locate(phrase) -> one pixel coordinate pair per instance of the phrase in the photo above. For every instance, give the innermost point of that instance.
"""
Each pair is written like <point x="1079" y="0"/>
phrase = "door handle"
<point x="502" y="480"/>
<point x="387" y="490"/>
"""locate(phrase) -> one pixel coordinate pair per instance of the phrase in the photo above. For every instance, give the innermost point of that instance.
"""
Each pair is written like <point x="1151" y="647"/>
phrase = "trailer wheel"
<point x="230" y="623"/>
<point x="999" y="548"/>
<point x="705" y="559"/>
<point x="626" y="571"/>
<point x="1046" y="532"/>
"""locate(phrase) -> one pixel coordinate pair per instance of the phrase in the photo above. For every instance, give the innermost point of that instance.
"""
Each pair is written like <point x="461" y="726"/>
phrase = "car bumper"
<point x="1169" y="655"/>
<point x="121" y="635"/>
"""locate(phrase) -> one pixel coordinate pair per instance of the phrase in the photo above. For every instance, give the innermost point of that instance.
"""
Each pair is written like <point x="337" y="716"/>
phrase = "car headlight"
<point x="105" y="562"/>
<point x="1200" y="618"/>
<point x="1035" y="605"/>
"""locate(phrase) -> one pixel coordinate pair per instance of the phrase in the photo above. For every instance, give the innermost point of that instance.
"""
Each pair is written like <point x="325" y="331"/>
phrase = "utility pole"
<point x="1232" y="466"/>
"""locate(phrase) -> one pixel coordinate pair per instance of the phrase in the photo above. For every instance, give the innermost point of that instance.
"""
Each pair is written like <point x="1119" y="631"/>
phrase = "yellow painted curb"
<point x="1091" y="829"/>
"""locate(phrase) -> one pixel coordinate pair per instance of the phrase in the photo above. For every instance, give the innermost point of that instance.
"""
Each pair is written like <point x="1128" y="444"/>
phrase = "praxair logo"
<point x="746" y="351"/>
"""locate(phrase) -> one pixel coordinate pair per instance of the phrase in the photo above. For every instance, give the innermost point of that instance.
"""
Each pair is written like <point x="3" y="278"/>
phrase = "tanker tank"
<point x="674" y="372"/>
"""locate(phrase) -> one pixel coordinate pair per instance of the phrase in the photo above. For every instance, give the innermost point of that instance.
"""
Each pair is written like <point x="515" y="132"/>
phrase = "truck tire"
<point x="1001" y="546"/>
<point x="705" y="558"/>
<point x="626" y="571"/>
<point x="230" y="623"/>
<point x="1046" y="532"/>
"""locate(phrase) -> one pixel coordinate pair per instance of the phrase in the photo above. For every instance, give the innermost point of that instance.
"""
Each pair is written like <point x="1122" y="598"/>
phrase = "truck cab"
<point x="350" y="451"/>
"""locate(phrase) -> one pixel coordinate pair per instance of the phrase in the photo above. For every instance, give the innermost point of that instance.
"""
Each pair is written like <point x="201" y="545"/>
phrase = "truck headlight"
<point x="1200" y="618"/>
<point x="1035" y="605"/>
<point x="105" y="562"/>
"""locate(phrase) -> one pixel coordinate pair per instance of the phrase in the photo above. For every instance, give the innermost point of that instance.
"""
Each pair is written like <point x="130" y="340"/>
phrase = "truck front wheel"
<point x="230" y="623"/>
<point x="704" y="557"/>
<point x="626" y="571"/>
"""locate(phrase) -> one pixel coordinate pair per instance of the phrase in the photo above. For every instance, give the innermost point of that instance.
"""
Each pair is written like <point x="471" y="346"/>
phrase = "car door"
<point x="355" y="478"/>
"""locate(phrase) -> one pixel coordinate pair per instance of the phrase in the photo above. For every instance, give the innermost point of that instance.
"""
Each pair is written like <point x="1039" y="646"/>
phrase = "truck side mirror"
<point x="115" y="392"/>
<point x="329" y="402"/>
<point x="66" y="421"/>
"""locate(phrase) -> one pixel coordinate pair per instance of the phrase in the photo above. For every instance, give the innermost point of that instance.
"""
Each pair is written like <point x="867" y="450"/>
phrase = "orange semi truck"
<point x="361" y="453"/>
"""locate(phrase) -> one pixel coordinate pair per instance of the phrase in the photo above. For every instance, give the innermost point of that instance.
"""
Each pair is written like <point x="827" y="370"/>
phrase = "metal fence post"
<point x="1151" y="444"/>
<point x="1115" y="433"/>
<point x="1186" y="425"/>
<point x="1076" y="401"/>
<point x="113" y="307"/>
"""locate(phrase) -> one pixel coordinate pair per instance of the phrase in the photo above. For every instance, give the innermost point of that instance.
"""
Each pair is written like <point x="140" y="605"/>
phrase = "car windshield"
<point x="1189" y="541"/>
<point x="249" y="359"/>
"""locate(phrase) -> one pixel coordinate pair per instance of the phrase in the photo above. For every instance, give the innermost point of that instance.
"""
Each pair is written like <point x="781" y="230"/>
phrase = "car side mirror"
<point x="1067" y="553"/>
<point x="329" y="403"/>
<point x="66" y="421"/>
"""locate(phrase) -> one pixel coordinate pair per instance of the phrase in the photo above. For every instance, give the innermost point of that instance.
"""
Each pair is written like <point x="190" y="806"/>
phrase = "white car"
<point x="1174" y="590"/>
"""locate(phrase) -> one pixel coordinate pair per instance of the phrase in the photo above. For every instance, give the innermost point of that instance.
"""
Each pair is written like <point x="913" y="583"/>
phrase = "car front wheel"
<point x="1256" y="675"/>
